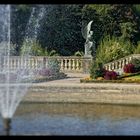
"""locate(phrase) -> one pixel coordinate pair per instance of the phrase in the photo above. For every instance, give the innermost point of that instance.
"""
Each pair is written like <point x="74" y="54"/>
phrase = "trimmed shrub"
<point x="129" y="68"/>
<point x="53" y="65"/>
<point x="97" y="70"/>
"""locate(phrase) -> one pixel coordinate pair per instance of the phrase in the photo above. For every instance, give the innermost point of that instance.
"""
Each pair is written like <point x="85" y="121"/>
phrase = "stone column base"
<point x="86" y="64"/>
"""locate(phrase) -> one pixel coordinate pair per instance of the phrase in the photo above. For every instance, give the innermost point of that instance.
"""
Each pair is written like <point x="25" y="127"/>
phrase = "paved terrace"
<point x="71" y="90"/>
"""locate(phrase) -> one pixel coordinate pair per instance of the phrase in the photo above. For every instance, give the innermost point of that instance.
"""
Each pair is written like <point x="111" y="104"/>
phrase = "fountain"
<point x="14" y="83"/>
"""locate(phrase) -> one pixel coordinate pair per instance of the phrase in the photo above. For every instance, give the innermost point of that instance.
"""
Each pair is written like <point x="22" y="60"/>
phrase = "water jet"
<point x="13" y="84"/>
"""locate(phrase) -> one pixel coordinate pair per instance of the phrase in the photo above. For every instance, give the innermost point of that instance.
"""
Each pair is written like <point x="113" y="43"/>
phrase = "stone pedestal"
<point x="86" y="64"/>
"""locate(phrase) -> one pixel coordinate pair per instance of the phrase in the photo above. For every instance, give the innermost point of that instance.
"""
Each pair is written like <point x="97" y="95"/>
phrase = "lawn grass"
<point x="132" y="77"/>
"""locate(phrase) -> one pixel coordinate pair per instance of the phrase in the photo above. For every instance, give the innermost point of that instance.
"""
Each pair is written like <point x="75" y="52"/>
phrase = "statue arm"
<point x="84" y="32"/>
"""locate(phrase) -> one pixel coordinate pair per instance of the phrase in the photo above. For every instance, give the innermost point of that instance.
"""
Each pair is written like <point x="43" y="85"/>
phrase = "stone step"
<point x="75" y="96"/>
<point x="72" y="89"/>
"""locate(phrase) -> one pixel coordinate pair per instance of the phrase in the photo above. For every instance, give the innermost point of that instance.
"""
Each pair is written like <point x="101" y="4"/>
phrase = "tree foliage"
<point x="62" y="30"/>
<point x="19" y="17"/>
<point x="112" y="48"/>
<point x="61" y="26"/>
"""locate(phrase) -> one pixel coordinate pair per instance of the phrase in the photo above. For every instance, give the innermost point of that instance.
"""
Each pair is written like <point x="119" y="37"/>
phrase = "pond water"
<point x="75" y="119"/>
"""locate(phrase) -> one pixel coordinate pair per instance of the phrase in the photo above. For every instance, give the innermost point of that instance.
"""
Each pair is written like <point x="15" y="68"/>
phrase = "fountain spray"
<point x="12" y="90"/>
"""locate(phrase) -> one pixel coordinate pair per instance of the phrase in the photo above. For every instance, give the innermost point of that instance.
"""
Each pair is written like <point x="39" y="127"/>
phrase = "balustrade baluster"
<point x="13" y="67"/>
<point x="4" y="63"/>
<point x="9" y="65"/>
<point x="106" y="67"/>
<point x="73" y="64"/>
<point x="117" y="65"/>
<point x="109" y="67"/>
<point x="69" y="64"/>
<point x="61" y="64"/>
<point x="77" y="64"/>
<point x="17" y="63"/>
<point x="120" y="64"/>
<point x="29" y="62"/>
<point x="65" y="67"/>
<point x="13" y="63"/>
<point x="35" y="61"/>
<point x="22" y="64"/>
<point x="130" y="59"/>
<point x="80" y="64"/>
<point x="127" y="61"/>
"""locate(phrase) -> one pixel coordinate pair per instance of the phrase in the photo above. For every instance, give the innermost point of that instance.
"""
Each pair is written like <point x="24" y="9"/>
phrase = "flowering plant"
<point x="110" y="75"/>
<point x="45" y="72"/>
<point x="129" y="68"/>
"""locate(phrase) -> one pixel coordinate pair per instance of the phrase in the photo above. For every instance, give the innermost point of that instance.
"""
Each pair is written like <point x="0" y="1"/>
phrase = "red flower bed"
<point x="110" y="75"/>
<point x="129" y="68"/>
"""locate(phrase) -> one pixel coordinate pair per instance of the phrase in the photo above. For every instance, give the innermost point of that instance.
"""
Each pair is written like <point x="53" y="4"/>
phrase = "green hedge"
<point x="109" y="81"/>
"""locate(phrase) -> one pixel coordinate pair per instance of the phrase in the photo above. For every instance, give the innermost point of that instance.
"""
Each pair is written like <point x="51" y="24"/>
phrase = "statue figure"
<point x="90" y="43"/>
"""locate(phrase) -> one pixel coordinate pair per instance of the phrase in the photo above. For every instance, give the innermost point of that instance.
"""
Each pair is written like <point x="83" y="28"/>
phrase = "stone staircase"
<point x="70" y="90"/>
<point x="73" y="89"/>
<point x="86" y="88"/>
<point x="118" y="65"/>
<point x="85" y="93"/>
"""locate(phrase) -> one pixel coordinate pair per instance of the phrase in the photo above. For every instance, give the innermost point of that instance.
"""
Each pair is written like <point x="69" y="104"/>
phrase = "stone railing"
<point x="67" y="64"/>
<point x="120" y="63"/>
<point x="17" y="62"/>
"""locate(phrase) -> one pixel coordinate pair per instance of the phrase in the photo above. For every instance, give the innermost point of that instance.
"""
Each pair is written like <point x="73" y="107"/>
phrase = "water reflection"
<point x="76" y="119"/>
<point x="115" y="112"/>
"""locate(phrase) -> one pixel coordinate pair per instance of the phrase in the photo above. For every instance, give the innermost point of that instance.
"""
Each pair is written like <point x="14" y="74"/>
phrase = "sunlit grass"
<point x="132" y="77"/>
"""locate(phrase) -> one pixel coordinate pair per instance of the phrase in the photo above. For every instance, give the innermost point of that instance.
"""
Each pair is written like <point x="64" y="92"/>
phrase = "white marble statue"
<point x="87" y="34"/>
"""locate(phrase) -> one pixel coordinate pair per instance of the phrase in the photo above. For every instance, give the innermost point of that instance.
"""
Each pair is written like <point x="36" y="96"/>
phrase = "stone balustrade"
<point x="120" y="63"/>
<point x="17" y="62"/>
<point x="67" y="64"/>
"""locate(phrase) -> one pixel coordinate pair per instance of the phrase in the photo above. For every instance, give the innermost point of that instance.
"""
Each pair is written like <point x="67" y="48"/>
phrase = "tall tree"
<point x="62" y="30"/>
<point x="19" y="18"/>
